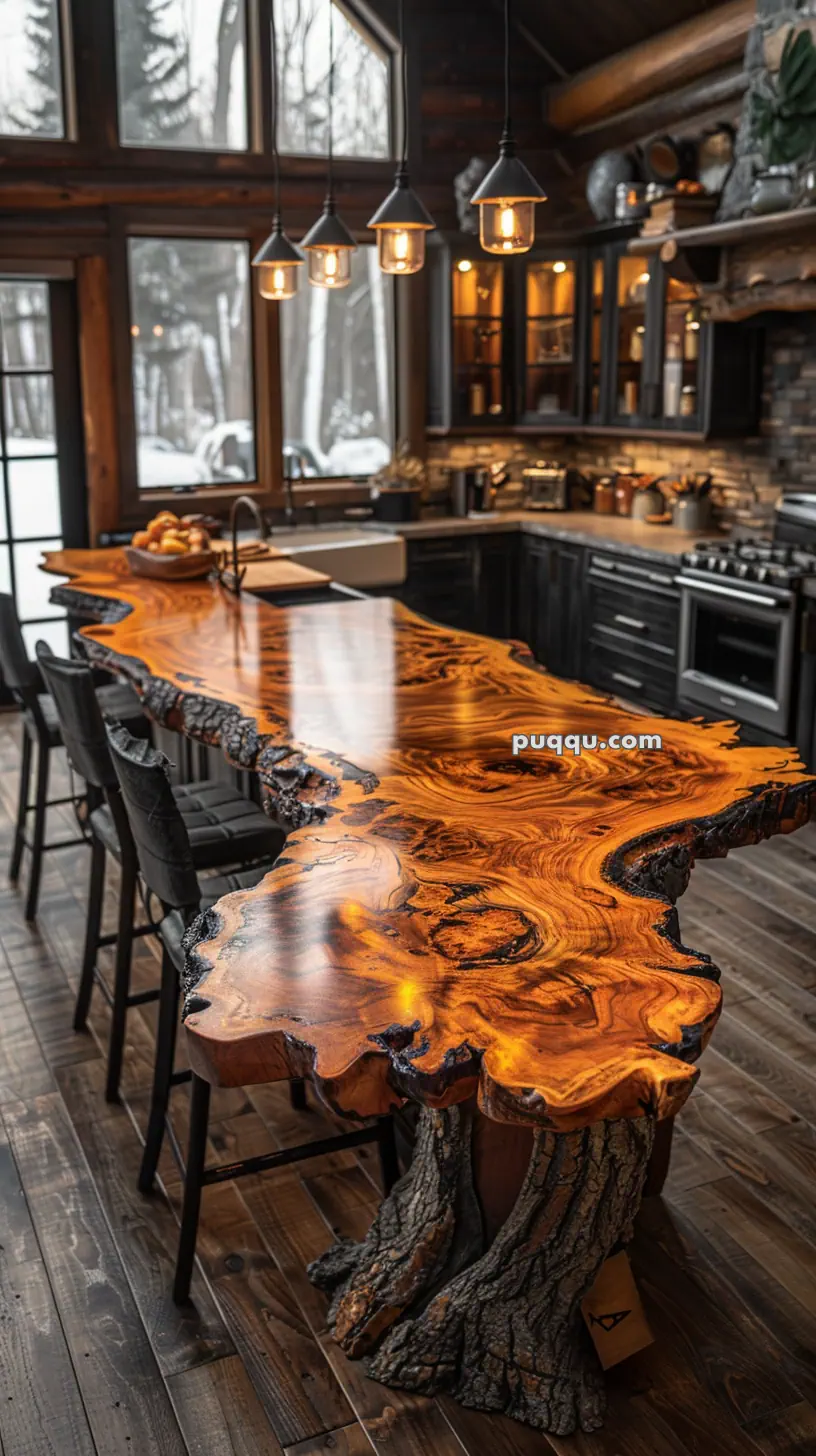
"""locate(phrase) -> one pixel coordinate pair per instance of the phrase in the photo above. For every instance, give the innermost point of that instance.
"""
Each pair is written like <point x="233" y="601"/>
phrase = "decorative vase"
<point x="773" y="189"/>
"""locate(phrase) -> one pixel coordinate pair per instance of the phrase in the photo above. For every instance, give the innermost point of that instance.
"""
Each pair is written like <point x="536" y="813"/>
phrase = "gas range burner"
<point x="761" y="561"/>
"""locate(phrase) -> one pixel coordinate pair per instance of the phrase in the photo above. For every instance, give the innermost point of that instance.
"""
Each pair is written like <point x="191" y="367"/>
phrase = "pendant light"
<point x="278" y="261"/>
<point x="507" y="197"/>
<point x="402" y="220"/>
<point x="329" y="243"/>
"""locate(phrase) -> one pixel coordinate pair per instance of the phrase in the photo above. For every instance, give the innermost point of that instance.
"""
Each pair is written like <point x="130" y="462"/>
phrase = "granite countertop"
<point x="583" y="527"/>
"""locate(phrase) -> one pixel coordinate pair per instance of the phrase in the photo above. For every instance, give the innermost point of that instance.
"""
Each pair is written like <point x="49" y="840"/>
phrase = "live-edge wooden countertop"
<point x="448" y="916"/>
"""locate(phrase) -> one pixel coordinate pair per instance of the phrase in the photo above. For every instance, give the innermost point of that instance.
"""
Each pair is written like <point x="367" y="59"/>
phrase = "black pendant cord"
<point x="275" y="104"/>
<point x="331" y="103"/>
<point x="507" y="122"/>
<point x="404" y="74"/>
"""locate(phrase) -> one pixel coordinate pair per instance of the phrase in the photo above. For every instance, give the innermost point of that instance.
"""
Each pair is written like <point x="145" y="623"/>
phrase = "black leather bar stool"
<point x="41" y="730"/>
<point x="168" y="869"/>
<point x="224" y="827"/>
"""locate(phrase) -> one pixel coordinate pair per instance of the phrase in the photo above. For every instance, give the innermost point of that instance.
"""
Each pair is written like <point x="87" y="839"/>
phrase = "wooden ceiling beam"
<point x="676" y="58"/>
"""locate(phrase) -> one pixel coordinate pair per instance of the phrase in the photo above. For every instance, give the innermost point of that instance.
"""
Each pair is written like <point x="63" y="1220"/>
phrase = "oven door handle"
<point x="730" y="591"/>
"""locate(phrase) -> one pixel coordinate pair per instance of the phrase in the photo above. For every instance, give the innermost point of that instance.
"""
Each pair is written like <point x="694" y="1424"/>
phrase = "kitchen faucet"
<point x="257" y="515"/>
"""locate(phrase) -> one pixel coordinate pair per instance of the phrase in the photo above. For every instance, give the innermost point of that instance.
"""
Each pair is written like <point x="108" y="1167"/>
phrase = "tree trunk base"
<point x="499" y="1330"/>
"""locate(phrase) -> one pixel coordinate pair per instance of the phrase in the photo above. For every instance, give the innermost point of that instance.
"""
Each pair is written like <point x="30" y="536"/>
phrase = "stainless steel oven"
<point x="737" y="650"/>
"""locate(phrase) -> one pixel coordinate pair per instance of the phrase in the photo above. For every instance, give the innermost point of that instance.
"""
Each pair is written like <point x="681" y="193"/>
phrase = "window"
<point x="30" y="510"/>
<point x="31" y="103"/>
<point x="361" y="90"/>
<point x="337" y="370"/>
<point x="192" y="372"/>
<point x="182" y="73"/>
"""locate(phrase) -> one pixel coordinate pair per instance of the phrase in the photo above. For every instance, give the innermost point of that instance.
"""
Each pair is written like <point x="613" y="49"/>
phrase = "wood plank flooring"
<point x="95" y="1358"/>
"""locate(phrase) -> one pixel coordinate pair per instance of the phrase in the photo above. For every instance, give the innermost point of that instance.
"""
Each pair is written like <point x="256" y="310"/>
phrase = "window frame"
<point x="20" y="146"/>
<point x="88" y="49"/>
<point x="267" y="384"/>
<point x="135" y="500"/>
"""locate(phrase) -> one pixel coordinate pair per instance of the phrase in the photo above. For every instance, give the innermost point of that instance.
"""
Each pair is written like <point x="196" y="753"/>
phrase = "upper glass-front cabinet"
<point x="594" y="337"/>
<point x="631" y="293"/>
<point x="478" y="340"/>
<point x="549" y="373"/>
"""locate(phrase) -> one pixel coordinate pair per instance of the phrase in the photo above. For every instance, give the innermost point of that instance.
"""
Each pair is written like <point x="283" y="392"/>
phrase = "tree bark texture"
<point x="504" y="1333"/>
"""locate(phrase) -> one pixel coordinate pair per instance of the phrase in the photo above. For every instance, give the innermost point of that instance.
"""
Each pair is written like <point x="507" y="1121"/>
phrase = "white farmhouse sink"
<point x="348" y="555"/>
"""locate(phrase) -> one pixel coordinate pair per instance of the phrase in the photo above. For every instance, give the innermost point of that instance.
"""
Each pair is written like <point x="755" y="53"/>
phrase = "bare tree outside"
<point x="182" y="73"/>
<point x="192" y="371"/>
<point x="30" y="69"/>
<point x="337" y="369"/>
<point x="361" y="106"/>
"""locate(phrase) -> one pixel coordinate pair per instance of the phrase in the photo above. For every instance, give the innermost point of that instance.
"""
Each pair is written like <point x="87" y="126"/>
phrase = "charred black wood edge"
<point x="657" y="866"/>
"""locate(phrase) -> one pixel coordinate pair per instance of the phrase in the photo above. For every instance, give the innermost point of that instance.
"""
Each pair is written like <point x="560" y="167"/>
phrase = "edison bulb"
<point x="278" y="281"/>
<point x="330" y="267"/>
<point x="464" y="265"/>
<point x="507" y="227"/>
<point x="559" y="267"/>
<point x="401" y="250"/>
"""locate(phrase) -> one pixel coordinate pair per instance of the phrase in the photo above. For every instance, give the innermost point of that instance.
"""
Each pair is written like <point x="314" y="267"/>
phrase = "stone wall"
<point x="762" y="55"/>
<point x="749" y="473"/>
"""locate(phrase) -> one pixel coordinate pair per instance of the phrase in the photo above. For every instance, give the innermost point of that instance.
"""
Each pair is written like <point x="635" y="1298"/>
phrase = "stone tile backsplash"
<point x="749" y="473"/>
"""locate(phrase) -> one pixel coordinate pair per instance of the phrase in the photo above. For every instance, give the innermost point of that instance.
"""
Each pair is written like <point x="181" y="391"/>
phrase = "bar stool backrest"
<point x="156" y="822"/>
<point x="70" y="683"/>
<point x="20" y="673"/>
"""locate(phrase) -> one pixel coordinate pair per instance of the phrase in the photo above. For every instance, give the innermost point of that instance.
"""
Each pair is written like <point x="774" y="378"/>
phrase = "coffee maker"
<point x="549" y="486"/>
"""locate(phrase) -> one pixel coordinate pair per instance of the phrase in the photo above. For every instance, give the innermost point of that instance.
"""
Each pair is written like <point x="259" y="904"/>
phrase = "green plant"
<point x="785" y="108"/>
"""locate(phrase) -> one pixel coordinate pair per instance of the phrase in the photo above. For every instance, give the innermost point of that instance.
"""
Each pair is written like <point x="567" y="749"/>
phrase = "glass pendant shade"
<point x="330" y="267"/>
<point x="401" y="251"/>
<point x="401" y="223"/>
<point x="329" y="246"/>
<point x="279" y="264"/>
<point x="506" y="201"/>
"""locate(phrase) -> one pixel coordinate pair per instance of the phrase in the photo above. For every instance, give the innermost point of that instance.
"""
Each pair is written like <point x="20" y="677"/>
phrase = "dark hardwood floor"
<point x="94" y="1357"/>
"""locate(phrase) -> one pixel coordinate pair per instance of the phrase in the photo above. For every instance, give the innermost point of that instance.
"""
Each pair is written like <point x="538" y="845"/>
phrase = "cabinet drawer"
<point x="650" y="683"/>
<point x="617" y="612"/>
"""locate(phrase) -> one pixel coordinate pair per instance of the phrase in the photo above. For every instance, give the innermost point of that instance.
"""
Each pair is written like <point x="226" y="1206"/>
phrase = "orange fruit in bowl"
<point x="141" y="539"/>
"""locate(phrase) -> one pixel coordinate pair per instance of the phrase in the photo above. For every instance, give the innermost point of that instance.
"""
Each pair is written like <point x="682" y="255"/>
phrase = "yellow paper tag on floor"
<point x="614" y="1314"/>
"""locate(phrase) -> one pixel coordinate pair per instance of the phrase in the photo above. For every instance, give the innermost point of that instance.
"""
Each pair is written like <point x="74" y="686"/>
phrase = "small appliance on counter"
<point x="549" y="486"/>
<point x="472" y="491"/>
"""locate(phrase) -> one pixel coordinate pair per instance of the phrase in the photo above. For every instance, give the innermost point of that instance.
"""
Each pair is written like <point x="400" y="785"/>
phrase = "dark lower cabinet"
<point x="470" y="583"/>
<point x="604" y="617"/>
<point x="551" y="603"/>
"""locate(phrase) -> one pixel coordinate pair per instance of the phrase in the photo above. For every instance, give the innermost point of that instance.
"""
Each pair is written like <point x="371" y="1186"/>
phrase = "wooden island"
<point x="489" y="934"/>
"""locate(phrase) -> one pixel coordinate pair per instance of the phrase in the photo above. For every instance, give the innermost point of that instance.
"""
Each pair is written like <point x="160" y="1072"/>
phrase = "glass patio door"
<point x="42" y="490"/>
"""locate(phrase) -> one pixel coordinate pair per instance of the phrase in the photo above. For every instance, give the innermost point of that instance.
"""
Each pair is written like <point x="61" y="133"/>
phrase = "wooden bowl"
<point x="190" y="567"/>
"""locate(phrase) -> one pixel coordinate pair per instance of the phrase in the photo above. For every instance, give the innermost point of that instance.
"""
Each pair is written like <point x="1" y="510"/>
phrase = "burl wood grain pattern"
<point x="447" y="918"/>
<point x="489" y="934"/>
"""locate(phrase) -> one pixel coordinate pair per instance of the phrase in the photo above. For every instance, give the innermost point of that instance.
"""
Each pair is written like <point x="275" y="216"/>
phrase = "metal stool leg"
<point x="193" y="1183"/>
<point x="387" y="1148"/>
<point x="38" y="837"/>
<point x="162" y="1073"/>
<point x="93" y="922"/>
<point x="22" y="807"/>
<point x="297" y="1096"/>
<point x="121" y="978"/>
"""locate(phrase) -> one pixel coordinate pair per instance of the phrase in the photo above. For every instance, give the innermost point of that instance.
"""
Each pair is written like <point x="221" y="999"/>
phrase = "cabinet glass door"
<point x="596" y="337"/>
<point x="632" y="289"/>
<point x="479" y="395"/>
<point x="683" y="338"/>
<point x="550" y="381"/>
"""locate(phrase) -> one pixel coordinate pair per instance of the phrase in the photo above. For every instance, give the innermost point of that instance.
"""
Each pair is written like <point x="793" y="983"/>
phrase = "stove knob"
<point x="743" y="569"/>
<point x="712" y="562"/>
<point x="726" y="566"/>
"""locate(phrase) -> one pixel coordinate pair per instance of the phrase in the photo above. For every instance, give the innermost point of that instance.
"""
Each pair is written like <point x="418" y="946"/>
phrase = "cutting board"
<point x="280" y="574"/>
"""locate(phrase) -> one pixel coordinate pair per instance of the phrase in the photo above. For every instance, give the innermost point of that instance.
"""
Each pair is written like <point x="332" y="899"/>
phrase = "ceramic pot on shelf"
<point x="773" y="189"/>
